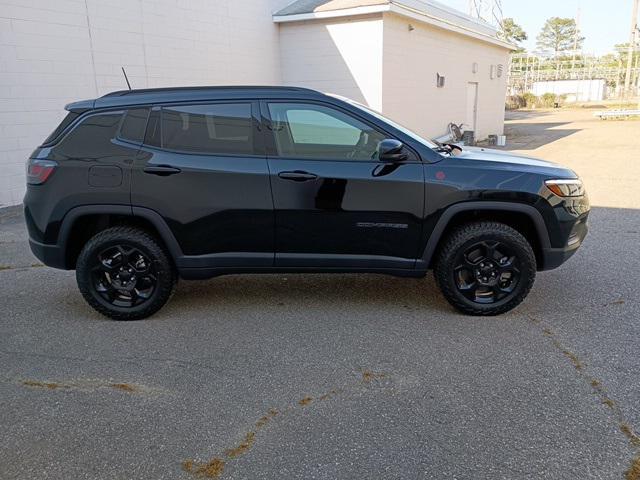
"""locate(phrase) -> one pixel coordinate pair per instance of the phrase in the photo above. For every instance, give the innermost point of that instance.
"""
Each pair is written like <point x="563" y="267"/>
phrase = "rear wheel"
<point x="485" y="268"/>
<point x="124" y="274"/>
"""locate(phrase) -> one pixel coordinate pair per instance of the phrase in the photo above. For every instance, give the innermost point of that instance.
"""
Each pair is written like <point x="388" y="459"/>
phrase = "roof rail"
<point x="120" y="93"/>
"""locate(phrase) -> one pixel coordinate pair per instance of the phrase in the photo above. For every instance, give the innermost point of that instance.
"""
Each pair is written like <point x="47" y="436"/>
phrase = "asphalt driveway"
<point x="340" y="376"/>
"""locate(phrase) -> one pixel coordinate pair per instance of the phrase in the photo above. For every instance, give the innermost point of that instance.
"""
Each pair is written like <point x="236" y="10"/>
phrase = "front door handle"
<point x="297" y="176"/>
<point x="162" y="170"/>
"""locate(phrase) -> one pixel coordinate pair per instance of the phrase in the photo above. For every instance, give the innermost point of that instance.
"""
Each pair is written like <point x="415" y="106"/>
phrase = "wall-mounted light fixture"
<point x="411" y="28"/>
<point x="474" y="67"/>
<point x="439" y="80"/>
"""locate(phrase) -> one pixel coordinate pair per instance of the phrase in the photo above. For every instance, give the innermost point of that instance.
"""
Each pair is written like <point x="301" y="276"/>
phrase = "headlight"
<point x="566" y="187"/>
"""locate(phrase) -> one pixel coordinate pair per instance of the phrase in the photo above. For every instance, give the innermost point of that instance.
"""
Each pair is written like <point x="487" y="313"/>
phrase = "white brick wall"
<point x="53" y="52"/>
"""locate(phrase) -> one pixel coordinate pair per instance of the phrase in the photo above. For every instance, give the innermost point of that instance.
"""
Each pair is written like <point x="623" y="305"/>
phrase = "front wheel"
<point x="485" y="268"/>
<point x="124" y="274"/>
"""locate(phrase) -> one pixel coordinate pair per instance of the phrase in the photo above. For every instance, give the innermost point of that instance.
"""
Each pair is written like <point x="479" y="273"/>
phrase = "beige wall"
<point x="342" y="56"/>
<point x="376" y="60"/>
<point x="411" y="60"/>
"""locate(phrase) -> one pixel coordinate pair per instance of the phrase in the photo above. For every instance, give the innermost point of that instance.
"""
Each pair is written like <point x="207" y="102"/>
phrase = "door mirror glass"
<point x="391" y="150"/>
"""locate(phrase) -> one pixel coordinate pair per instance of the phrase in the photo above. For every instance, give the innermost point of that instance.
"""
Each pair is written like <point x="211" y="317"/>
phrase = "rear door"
<point x="336" y="204"/>
<point x="202" y="167"/>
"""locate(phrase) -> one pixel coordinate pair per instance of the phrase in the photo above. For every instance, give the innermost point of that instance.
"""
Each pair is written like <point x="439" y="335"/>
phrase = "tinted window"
<point x="221" y="128"/>
<point x="91" y="138"/>
<point x="66" y="121"/>
<point x="316" y="131"/>
<point x="134" y="124"/>
<point x="152" y="135"/>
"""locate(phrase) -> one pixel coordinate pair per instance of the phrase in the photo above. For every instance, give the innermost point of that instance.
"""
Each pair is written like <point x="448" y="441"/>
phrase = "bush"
<point x="530" y="100"/>
<point x="514" y="102"/>
<point x="548" y="100"/>
<point x="526" y="100"/>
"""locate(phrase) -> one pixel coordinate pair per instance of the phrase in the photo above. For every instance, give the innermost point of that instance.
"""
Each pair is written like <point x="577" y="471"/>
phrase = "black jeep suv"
<point x="138" y="188"/>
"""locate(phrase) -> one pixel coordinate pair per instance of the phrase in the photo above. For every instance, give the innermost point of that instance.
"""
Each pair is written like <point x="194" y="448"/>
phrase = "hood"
<point x="513" y="161"/>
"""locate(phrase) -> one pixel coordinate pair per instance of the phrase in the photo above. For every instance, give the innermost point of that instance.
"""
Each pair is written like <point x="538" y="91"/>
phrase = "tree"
<point x="559" y="35"/>
<point x="623" y="53"/>
<point x="511" y="32"/>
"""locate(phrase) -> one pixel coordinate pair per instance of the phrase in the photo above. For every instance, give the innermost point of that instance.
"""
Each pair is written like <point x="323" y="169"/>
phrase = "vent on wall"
<point x="439" y="80"/>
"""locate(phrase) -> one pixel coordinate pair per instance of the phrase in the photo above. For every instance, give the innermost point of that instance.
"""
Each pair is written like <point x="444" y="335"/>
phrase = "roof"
<point x="150" y="96"/>
<point x="427" y="11"/>
<point x="309" y="6"/>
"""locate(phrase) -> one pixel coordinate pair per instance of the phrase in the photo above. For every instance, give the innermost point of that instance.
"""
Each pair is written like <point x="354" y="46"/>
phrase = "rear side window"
<point x="91" y="138"/>
<point x="211" y="129"/>
<point x="134" y="125"/>
<point x="66" y="121"/>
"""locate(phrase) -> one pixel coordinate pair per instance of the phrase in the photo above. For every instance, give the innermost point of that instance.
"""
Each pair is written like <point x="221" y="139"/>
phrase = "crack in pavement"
<point x="214" y="468"/>
<point x="633" y="472"/>
<point x="86" y="385"/>
<point x="20" y="267"/>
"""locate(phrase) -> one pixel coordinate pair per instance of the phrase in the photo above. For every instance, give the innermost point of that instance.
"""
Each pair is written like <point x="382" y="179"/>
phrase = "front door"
<point x="202" y="168"/>
<point x="336" y="205"/>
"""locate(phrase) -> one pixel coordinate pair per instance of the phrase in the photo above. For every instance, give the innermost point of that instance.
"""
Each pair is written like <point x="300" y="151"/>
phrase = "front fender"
<point x="450" y="212"/>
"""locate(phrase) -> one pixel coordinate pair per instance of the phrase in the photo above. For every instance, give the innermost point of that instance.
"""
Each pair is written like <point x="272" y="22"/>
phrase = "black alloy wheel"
<point x="487" y="271"/>
<point x="125" y="274"/>
<point x="485" y="268"/>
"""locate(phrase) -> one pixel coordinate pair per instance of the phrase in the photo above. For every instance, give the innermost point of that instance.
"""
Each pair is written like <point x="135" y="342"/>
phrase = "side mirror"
<point x="391" y="150"/>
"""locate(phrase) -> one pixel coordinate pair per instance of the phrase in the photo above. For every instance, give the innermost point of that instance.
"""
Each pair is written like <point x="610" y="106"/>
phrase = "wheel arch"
<point x="526" y="219"/>
<point x="81" y="223"/>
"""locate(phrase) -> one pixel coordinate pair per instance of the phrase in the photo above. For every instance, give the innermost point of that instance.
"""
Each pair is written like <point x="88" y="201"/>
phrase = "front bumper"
<point x="554" y="257"/>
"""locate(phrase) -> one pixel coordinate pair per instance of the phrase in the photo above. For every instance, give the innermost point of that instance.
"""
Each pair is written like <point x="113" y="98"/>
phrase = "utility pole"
<point x="575" y="41"/>
<point x="632" y="44"/>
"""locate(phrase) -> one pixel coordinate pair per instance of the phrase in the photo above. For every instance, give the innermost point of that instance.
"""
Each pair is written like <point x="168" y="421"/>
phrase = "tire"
<point x="124" y="274"/>
<point x="485" y="268"/>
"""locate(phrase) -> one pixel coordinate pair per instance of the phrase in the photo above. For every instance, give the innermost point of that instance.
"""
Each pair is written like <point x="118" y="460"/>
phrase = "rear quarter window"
<point x="91" y="139"/>
<point x="66" y="121"/>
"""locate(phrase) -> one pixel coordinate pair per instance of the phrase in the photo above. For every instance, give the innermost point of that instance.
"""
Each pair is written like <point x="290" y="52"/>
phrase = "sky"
<point x="603" y="22"/>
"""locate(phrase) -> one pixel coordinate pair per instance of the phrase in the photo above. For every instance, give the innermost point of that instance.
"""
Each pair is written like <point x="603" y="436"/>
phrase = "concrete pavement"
<point x="340" y="376"/>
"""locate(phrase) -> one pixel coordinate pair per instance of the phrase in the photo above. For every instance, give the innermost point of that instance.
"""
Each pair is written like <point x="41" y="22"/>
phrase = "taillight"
<point x="39" y="171"/>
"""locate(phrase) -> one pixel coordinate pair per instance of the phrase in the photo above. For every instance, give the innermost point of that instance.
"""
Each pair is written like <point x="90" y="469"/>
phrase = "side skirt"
<point x="204" y="273"/>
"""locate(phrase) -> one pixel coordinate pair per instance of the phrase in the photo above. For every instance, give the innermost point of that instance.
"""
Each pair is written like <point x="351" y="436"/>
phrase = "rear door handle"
<point x="297" y="176"/>
<point x="162" y="170"/>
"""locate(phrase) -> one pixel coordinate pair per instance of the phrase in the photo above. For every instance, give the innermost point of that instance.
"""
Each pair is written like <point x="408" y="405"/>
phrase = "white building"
<point x="389" y="54"/>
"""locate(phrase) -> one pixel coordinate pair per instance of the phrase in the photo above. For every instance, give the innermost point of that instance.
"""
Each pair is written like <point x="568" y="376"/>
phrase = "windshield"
<point x="379" y="116"/>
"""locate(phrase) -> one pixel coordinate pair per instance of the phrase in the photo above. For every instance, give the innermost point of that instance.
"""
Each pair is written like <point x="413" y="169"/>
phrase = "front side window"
<point x="208" y="129"/>
<point x="320" y="132"/>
